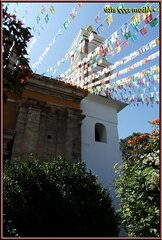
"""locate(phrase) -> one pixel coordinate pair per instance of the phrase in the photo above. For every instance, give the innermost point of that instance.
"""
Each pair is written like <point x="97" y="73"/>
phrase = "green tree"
<point x="138" y="184"/>
<point x="55" y="198"/>
<point x="16" y="68"/>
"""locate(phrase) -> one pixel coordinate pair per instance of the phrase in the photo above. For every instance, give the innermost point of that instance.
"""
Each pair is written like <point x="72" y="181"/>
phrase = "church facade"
<point x="53" y="118"/>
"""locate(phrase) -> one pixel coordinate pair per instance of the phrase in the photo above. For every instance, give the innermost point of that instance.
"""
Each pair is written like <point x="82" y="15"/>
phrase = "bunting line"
<point x="131" y="56"/>
<point x="126" y="70"/>
<point x="140" y="87"/>
<point x="152" y="70"/>
<point x="68" y="21"/>
<point x="97" y="50"/>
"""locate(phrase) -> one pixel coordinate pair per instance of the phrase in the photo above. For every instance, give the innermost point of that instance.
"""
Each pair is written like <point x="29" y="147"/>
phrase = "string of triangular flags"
<point x="94" y="59"/>
<point x="73" y="80"/>
<point x="146" y="79"/>
<point x="121" y="72"/>
<point x="79" y="44"/>
<point x="106" y="48"/>
<point x="78" y="47"/>
<point x="140" y="87"/>
<point x="92" y="65"/>
<point x="108" y="19"/>
<point x="115" y="38"/>
<point x="88" y="68"/>
<point x="61" y="30"/>
<point x="139" y="97"/>
<point x="97" y="20"/>
<point x="148" y="72"/>
<point x="100" y="22"/>
<point x="39" y="26"/>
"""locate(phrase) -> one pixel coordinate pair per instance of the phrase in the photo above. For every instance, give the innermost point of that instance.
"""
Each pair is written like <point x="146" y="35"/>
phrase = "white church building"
<point x="99" y="137"/>
<point x="99" y="129"/>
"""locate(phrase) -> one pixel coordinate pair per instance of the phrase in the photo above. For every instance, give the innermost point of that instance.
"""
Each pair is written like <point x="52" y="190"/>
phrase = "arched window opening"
<point x="100" y="133"/>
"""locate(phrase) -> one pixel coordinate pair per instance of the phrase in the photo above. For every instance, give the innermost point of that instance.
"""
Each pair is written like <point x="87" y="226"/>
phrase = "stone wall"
<point x="49" y="129"/>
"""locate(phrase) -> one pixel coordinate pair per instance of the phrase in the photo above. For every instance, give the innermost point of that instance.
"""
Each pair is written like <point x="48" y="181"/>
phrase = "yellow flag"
<point x="118" y="49"/>
<point x="136" y="18"/>
<point x="109" y="19"/>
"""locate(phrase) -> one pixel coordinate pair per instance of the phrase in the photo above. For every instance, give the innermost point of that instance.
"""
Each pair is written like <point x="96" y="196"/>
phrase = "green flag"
<point x="127" y="35"/>
<point x="154" y="22"/>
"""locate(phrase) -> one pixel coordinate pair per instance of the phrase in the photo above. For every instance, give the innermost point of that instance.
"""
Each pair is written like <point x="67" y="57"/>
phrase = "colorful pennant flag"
<point x="127" y="35"/>
<point x="125" y="44"/>
<point x="100" y="29"/>
<point x="148" y="18"/>
<point x="52" y="9"/>
<point x="73" y="14"/>
<point x="109" y="19"/>
<point x="46" y="18"/>
<point x="154" y="22"/>
<point x="38" y="19"/>
<point x="124" y="29"/>
<point x="118" y="49"/>
<point x="97" y="19"/>
<point x="114" y="37"/>
<point x="117" y="42"/>
<point x="66" y="23"/>
<point x="143" y="30"/>
<point x="136" y="19"/>
<point x="42" y="10"/>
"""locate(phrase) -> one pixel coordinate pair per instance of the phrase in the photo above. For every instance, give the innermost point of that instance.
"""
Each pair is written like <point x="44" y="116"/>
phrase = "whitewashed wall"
<point x="101" y="157"/>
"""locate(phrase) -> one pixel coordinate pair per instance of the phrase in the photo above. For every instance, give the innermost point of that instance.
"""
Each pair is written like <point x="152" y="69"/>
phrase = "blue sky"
<point x="132" y="118"/>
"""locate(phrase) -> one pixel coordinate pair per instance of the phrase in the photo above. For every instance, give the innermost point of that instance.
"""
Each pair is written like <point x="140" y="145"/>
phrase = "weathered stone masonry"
<point x="48" y="121"/>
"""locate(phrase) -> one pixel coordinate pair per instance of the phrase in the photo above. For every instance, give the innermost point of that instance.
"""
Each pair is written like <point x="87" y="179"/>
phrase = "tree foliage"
<point x="138" y="184"/>
<point x="16" y="68"/>
<point x="55" y="198"/>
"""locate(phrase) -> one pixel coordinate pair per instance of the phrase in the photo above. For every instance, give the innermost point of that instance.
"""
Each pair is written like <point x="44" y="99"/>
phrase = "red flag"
<point x="118" y="43"/>
<point x="149" y="18"/>
<point x="125" y="44"/>
<point x="97" y="19"/>
<point x="143" y="30"/>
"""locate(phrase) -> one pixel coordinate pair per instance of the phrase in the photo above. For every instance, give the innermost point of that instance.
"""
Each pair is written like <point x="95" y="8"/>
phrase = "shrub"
<point x="138" y="184"/>
<point x="56" y="198"/>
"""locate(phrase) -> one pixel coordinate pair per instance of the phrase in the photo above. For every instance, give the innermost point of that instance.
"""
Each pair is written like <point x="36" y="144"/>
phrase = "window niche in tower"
<point x="100" y="133"/>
